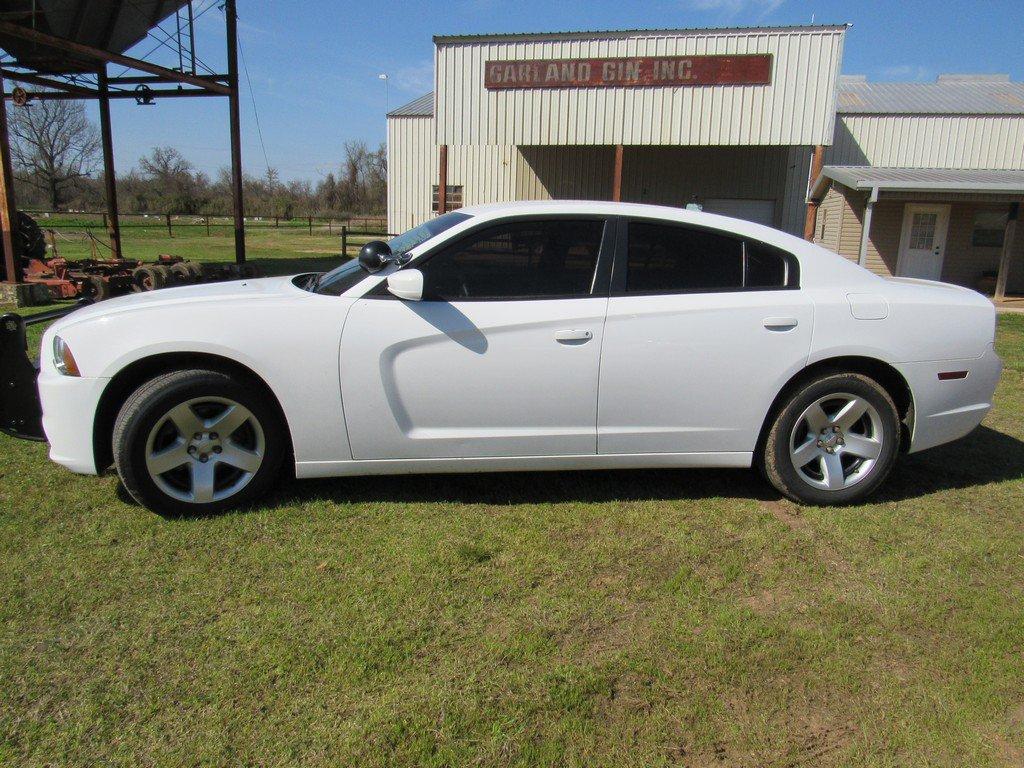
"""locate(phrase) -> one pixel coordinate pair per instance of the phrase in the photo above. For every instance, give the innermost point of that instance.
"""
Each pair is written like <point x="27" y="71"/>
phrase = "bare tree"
<point x="54" y="147"/>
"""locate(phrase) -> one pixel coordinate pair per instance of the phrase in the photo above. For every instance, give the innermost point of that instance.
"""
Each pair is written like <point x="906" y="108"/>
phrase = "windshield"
<point x="340" y="279"/>
<point x="406" y="241"/>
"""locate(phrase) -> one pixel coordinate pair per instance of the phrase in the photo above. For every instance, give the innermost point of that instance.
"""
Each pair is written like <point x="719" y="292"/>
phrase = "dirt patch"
<point x="1009" y="752"/>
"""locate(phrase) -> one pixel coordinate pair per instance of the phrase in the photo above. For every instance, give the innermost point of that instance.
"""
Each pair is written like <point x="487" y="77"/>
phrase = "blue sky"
<point x="314" y="72"/>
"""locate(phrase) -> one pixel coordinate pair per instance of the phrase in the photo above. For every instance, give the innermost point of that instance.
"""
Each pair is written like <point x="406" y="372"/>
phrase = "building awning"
<point x="919" y="179"/>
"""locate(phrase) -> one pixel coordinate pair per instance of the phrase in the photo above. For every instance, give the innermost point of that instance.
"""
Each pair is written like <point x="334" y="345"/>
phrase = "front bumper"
<point x="947" y="410"/>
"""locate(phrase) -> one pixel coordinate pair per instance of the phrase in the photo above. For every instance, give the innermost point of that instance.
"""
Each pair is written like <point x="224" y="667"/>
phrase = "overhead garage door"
<point x="758" y="211"/>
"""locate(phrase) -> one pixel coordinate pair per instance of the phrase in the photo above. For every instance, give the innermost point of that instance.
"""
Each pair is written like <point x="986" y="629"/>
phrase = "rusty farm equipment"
<point x="99" y="278"/>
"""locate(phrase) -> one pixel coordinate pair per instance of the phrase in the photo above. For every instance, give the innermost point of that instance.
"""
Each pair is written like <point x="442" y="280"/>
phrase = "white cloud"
<point x="417" y="79"/>
<point x="732" y="8"/>
<point x="906" y="73"/>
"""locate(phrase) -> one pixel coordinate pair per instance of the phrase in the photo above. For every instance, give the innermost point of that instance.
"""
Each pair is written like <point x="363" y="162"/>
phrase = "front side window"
<point x="664" y="258"/>
<point x="517" y="260"/>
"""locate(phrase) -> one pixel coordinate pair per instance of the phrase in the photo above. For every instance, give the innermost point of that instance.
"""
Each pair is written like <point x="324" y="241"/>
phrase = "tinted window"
<point x="517" y="260"/>
<point x="668" y="258"/>
<point x="766" y="266"/>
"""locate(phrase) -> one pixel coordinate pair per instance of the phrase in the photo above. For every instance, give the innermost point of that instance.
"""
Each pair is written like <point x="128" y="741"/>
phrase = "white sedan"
<point x="525" y="336"/>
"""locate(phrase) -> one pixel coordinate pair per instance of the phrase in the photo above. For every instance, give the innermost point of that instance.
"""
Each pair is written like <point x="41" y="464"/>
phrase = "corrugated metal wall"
<point x="929" y="141"/>
<point x="412" y="170"/>
<point x="798" y="108"/>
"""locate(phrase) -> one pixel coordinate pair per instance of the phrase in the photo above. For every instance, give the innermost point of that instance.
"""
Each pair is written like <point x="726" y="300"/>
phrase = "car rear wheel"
<point x="198" y="441"/>
<point x="834" y="441"/>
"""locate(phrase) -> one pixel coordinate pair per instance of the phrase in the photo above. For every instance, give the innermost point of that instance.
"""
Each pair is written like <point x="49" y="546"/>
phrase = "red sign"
<point x="752" y="69"/>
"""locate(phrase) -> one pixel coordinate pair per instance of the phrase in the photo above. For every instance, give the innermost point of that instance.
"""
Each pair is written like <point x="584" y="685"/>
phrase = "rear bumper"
<point x="947" y="410"/>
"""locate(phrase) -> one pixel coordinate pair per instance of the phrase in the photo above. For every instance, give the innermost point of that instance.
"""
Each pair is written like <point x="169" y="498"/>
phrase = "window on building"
<point x="453" y="198"/>
<point x="675" y="259"/>
<point x="517" y="260"/>
<point x="988" y="229"/>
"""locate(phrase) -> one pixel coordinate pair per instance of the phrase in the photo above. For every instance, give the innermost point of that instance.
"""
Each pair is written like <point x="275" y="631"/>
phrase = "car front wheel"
<point x="834" y="441"/>
<point x="198" y="441"/>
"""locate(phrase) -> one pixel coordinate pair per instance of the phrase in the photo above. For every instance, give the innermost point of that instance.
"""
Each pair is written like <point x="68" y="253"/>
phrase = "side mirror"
<point x="406" y="284"/>
<point x="374" y="256"/>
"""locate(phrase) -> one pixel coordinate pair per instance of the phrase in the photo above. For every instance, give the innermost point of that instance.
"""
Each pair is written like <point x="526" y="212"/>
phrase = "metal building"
<point x="926" y="179"/>
<point x="752" y="122"/>
<point x="727" y="116"/>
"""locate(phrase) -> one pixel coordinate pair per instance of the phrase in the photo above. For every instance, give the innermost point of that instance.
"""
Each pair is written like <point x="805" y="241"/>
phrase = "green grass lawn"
<point x="603" y="618"/>
<point x="289" y="248"/>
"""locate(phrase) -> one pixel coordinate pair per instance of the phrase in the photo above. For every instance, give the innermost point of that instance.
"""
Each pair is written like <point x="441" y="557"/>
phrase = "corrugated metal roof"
<point x="113" y="27"/>
<point x="618" y="33"/>
<point x="962" y="95"/>
<point x="935" y="179"/>
<point x="421" y="107"/>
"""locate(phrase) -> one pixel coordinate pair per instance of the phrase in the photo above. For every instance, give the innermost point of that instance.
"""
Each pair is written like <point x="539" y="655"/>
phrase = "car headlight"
<point x="63" y="360"/>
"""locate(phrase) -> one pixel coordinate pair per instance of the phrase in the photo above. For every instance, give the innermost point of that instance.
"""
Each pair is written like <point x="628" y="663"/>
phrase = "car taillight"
<point x="63" y="360"/>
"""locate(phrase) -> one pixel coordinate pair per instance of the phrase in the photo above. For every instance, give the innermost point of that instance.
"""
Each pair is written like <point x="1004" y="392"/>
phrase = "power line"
<point x="255" y="112"/>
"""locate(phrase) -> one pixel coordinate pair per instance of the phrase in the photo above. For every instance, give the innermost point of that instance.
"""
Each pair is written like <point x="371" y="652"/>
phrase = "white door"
<point x="923" y="241"/>
<point x="503" y="361"/>
<point x="757" y="211"/>
<point x="700" y="338"/>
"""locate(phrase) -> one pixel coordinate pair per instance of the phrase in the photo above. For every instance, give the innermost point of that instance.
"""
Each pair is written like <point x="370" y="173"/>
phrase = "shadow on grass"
<point x="985" y="456"/>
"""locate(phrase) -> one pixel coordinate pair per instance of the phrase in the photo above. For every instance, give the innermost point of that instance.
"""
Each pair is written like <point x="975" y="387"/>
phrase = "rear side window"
<point x="517" y="260"/>
<point x="677" y="259"/>
<point x="766" y="266"/>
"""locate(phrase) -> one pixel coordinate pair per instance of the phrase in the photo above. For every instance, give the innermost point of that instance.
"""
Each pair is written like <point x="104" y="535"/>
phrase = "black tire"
<point x="180" y="274"/>
<point x="145" y="415"/>
<point x="96" y="288"/>
<point x="29" y="237"/>
<point x="147" y="279"/>
<point x="195" y="269"/>
<point x="799" y="483"/>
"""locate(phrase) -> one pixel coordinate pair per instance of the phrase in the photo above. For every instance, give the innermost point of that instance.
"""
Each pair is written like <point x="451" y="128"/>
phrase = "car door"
<point x="500" y="358"/>
<point x="703" y="329"/>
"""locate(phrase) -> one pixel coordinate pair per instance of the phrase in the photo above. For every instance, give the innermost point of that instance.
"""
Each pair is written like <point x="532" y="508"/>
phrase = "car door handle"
<point x="780" y="323"/>
<point x="573" y="336"/>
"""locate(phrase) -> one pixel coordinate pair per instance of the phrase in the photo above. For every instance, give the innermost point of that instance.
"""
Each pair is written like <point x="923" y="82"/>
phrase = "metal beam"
<point x="100" y="56"/>
<point x="8" y="206"/>
<point x="45" y="82"/>
<point x="157" y="93"/>
<point x="237" y="202"/>
<point x="865" y="232"/>
<point x="138" y="79"/>
<point x="109" y="180"/>
<point x="442" y="180"/>
<point x="617" y="173"/>
<point x="811" y="217"/>
<point x="1007" y="254"/>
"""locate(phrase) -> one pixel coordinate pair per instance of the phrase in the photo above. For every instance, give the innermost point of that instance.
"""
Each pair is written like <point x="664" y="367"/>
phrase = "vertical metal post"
<point x="310" y="226"/>
<point x="169" y="232"/>
<point x="344" y="241"/>
<point x="442" y="180"/>
<point x="207" y="225"/>
<point x="110" y="218"/>
<point x="617" y="173"/>
<point x="8" y="206"/>
<point x="811" y="219"/>
<point x="1004" y="258"/>
<point x="236" y="130"/>
<point x="865" y="232"/>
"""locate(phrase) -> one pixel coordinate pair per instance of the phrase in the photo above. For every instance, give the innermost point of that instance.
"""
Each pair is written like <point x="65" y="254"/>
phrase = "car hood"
<point x="233" y="290"/>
